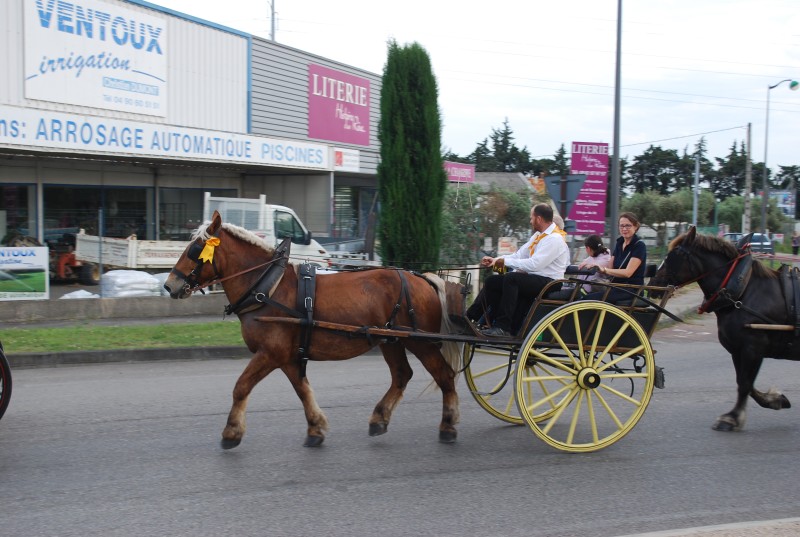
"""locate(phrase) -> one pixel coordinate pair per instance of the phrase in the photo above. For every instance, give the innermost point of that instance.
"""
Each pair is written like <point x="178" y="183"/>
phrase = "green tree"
<point x="729" y="178"/>
<point x="411" y="177"/>
<point x="472" y="213"/>
<point x="506" y="213"/>
<point x="789" y="177"/>
<point x="502" y="154"/>
<point x="556" y="166"/>
<point x="683" y="211"/>
<point x="461" y="225"/>
<point x="645" y="205"/>
<point x="655" y="169"/>
<point x="730" y="211"/>
<point x="483" y="158"/>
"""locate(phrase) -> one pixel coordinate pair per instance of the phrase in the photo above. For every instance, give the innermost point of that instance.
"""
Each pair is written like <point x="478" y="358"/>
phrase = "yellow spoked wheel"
<point x="488" y="371"/>
<point x="490" y="379"/>
<point x="589" y="368"/>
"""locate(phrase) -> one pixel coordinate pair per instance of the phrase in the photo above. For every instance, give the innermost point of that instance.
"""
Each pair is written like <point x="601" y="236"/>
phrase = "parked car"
<point x="759" y="243"/>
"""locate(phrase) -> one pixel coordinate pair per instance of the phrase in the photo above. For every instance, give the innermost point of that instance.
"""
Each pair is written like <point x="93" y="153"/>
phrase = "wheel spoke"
<point x="542" y="385"/>
<point x="550" y="397"/>
<point x="575" y="415"/>
<point x="613" y="341"/>
<point x="634" y="375"/>
<point x="493" y="369"/>
<point x="552" y="361"/>
<point x="576" y="319"/>
<point x="567" y="351"/>
<point x="561" y="409"/>
<point x="610" y="412"/>
<point x="592" y="420"/>
<point x="621" y="357"/>
<point x="485" y="375"/>
<point x="621" y="395"/>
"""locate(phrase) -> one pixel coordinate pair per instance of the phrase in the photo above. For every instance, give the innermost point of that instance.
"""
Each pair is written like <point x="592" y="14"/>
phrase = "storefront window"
<point x="351" y="208"/>
<point x="181" y="210"/>
<point x="70" y="209"/>
<point x="17" y="211"/>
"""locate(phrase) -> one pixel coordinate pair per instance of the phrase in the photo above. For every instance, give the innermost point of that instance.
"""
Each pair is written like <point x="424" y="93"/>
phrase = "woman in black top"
<point x="628" y="261"/>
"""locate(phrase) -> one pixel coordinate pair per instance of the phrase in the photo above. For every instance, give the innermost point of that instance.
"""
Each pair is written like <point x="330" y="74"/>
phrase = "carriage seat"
<point x="649" y="272"/>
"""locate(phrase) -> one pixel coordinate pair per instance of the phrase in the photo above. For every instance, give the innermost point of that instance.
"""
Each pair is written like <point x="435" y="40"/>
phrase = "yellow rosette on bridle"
<point x="207" y="255"/>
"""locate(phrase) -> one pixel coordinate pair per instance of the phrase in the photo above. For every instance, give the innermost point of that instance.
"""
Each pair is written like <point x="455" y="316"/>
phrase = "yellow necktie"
<point x="543" y="235"/>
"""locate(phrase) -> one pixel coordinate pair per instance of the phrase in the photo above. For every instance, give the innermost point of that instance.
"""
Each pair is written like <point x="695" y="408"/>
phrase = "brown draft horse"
<point x="708" y="260"/>
<point x="360" y="298"/>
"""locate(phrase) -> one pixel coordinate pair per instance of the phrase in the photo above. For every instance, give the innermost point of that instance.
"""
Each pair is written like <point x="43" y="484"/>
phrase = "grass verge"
<point x="97" y="338"/>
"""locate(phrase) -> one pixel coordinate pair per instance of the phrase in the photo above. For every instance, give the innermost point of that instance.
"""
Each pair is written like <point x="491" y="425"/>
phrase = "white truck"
<point x="270" y="222"/>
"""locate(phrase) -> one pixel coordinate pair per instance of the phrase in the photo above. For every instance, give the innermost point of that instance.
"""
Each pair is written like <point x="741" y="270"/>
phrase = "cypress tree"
<point x="411" y="177"/>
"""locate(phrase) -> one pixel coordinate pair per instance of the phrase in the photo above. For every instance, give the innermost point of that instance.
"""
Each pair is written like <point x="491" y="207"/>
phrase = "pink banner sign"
<point x="459" y="173"/>
<point x="338" y="106"/>
<point x="589" y="210"/>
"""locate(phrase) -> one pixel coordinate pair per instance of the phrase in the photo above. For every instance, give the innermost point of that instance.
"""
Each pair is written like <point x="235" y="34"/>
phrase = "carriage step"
<point x="659" y="380"/>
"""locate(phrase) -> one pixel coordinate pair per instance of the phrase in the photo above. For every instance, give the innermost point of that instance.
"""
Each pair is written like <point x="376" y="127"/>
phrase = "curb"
<point x="173" y="354"/>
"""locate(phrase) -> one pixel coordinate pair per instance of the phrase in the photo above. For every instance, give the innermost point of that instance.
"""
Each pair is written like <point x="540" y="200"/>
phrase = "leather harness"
<point x="261" y="292"/>
<point x="735" y="282"/>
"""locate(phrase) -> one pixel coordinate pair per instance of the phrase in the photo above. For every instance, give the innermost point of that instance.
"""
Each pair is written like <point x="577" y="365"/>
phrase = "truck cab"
<point x="273" y="223"/>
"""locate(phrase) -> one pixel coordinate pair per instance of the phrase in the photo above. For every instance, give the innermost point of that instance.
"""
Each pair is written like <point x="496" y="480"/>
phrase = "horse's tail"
<point x="451" y="350"/>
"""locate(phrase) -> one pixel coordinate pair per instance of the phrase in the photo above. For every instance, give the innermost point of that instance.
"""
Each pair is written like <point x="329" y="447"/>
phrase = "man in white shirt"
<point x="542" y="259"/>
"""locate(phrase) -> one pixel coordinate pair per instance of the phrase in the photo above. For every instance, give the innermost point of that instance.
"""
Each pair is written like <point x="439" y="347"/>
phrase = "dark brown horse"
<point x="237" y="259"/>
<point x="744" y="295"/>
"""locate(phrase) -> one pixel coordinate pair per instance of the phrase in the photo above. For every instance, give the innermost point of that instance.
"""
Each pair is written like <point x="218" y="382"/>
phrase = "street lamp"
<point x="793" y="85"/>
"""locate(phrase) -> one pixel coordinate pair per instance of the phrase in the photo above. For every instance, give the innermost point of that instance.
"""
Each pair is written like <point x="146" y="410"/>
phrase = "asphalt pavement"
<point x="683" y="304"/>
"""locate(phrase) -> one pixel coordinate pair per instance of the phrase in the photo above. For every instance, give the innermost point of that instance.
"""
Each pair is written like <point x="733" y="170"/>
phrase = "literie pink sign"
<point x="338" y="106"/>
<point x="589" y="210"/>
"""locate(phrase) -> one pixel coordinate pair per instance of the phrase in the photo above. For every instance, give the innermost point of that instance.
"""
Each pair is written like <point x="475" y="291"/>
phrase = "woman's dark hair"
<point x="631" y="218"/>
<point x="595" y="245"/>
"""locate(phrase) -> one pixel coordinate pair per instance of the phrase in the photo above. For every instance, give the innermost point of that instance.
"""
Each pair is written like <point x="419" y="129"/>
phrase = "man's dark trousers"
<point x="502" y="292"/>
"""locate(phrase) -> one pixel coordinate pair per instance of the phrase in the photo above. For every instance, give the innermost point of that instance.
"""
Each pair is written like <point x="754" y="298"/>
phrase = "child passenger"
<point x="597" y="255"/>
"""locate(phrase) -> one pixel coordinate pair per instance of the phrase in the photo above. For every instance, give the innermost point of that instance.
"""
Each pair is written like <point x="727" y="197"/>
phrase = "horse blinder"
<point x="191" y="280"/>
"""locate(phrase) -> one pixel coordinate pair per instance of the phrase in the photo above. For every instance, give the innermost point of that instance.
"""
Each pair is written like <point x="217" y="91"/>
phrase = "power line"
<point x="571" y="83"/>
<point x="687" y="136"/>
<point x="627" y="96"/>
<point x="668" y="139"/>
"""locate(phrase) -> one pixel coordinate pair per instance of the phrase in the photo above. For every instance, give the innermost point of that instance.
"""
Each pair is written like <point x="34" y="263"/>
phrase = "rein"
<point x="219" y="279"/>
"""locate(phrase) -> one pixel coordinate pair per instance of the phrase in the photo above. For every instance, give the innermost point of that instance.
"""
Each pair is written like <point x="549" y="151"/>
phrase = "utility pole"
<point x="696" y="187"/>
<point x="615" y="171"/>
<point x="748" y="187"/>
<point x="272" y="20"/>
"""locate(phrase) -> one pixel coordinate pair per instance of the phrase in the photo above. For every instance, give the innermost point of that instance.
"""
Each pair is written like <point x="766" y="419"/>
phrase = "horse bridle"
<point x="191" y="282"/>
<point x="685" y="254"/>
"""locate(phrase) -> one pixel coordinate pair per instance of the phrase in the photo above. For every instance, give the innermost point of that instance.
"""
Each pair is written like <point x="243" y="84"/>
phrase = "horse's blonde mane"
<point x="236" y="231"/>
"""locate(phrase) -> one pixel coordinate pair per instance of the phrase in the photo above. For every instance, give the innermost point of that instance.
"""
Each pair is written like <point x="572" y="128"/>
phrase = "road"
<point x="133" y="450"/>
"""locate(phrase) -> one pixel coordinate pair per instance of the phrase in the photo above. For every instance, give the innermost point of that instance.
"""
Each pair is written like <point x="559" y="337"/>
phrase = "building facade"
<point x="117" y="115"/>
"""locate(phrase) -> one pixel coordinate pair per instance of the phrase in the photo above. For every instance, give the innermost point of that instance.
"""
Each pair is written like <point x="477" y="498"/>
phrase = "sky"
<point x="690" y="69"/>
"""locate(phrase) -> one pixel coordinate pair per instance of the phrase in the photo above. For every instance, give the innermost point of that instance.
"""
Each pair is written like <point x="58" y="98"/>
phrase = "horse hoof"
<point x="230" y="444"/>
<point x="377" y="429"/>
<point x="726" y="425"/>
<point x="785" y="402"/>
<point x="313" y="441"/>
<point x="447" y="437"/>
